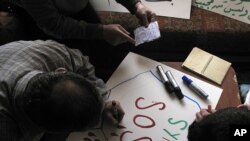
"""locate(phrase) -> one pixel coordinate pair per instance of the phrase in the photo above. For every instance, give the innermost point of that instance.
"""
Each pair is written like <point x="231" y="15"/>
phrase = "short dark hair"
<point x="216" y="127"/>
<point x="62" y="102"/>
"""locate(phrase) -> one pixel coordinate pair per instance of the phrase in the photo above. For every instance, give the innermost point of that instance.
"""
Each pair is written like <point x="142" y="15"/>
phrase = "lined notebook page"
<point x="207" y="65"/>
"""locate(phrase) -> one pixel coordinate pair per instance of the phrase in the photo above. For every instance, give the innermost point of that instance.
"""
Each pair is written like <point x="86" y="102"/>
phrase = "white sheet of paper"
<point x="148" y="34"/>
<point x="236" y="9"/>
<point x="174" y="8"/>
<point x="151" y="113"/>
<point x="247" y="101"/>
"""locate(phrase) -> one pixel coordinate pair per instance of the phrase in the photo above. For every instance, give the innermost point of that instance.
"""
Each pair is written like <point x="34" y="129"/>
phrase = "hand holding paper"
<point x="115" y="34"/>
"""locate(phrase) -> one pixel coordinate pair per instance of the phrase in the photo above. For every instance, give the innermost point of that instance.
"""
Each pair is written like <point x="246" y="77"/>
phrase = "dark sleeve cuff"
<point x="129" y="4"/>
<point x="94" y="31"/>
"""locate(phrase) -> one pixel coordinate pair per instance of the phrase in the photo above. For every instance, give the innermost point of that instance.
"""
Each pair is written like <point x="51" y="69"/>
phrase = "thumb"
<point x="111" y="118"/>
<point x="145" y="20"/>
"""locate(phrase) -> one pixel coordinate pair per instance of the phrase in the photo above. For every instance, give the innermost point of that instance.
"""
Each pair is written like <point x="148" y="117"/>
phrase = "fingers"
<point x="123" y="30"/>
<point x="144" y="14"/>
<point x="200" y="115"/>
<point x="152" y="17"/>
<point x="111" y="118"/>
<point x="115" y="34"/>
<point x="120" y="111"/>
<point x="244" y="106"/>
<point x="145" y="20"/>
<point x="113" y="112"/>
<point x="125" y="35"/>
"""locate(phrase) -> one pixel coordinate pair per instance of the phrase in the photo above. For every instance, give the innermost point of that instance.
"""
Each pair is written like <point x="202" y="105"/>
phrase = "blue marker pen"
<point x="194" y="87"/>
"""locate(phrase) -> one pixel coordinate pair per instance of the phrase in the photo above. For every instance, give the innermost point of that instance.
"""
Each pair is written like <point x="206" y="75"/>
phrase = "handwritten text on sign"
<point x="150" y="115"/>
<point x="236" y="9"/>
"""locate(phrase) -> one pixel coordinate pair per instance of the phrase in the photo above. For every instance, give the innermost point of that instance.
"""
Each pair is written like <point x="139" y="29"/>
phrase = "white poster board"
<point x="151" y="113"/>
<point x="172" y="8"/>
<point x="236" y="9"/>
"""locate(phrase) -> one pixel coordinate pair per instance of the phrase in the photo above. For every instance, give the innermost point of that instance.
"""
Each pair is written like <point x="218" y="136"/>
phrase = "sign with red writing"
<point x="151" y="113"/>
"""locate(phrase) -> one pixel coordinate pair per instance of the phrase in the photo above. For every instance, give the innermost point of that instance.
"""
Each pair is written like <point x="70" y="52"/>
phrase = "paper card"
<point x="143" y="34"/>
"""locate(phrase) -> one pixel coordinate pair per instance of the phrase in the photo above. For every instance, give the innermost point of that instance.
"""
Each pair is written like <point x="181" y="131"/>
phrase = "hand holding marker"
<point x="115" y="112"/>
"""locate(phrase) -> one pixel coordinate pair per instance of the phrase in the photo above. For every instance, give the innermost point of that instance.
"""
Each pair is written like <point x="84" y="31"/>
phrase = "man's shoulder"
<point x="9" y="129"/>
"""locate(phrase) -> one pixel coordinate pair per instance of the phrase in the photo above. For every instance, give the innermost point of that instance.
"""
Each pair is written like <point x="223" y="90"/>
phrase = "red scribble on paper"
<point x="156" y="103"/>
<point x="144" y="126"/>
<point x="141" y="138"/>
<point x="123" y="133"/>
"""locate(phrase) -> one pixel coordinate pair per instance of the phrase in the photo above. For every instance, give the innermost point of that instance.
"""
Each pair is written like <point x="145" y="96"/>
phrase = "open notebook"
<point x="206" y="65"/>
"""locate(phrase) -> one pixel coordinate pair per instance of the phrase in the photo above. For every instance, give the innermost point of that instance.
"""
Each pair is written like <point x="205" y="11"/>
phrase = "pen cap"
<point x="178" y="93"/>
<point x="113" y="103"/>
<point x="186" y="80"/>
<point x="169" y="87"/>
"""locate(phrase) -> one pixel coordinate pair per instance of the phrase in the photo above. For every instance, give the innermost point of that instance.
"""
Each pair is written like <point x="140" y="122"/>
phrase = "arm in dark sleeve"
<point x="9" y="130"/>
<point x="129" y="4"/>
<point x="53" y="23"/>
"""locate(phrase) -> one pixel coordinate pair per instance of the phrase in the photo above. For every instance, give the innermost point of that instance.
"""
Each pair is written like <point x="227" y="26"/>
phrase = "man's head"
<point x="62" y="102"/>
<point x="216" y="126"/>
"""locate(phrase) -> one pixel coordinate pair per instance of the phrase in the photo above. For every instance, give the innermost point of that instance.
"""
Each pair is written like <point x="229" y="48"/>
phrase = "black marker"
<point x="164" y="79"/>
<point x="115" y="112"/>
<point x="177" y="89"/>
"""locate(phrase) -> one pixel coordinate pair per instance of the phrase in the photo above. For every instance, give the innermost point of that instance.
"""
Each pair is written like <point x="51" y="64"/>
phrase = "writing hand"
<point x="244" y="106"/>
<point x="203" y="113"/>
<point x="144" y="14"/>
<point x="115" y="34"/>
<point x="113" y="112"/>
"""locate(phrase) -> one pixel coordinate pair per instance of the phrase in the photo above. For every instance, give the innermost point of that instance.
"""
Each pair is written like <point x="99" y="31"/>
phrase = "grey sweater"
<point x="19" y="62"/>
